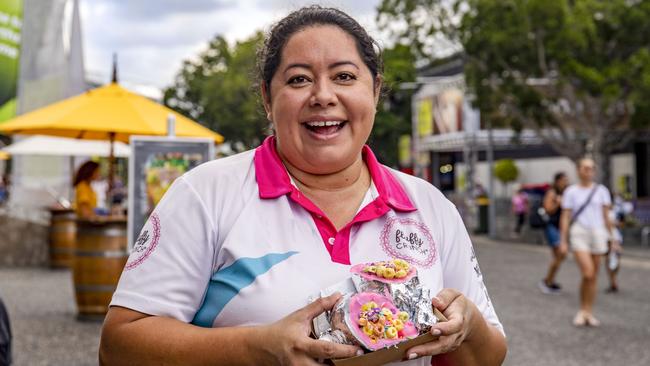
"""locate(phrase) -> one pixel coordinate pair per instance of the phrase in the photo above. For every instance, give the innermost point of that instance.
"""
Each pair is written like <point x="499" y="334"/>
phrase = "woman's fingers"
<point x="444" y="298"/>
<point x="319" y="306"/>
<point x="328" y="350"/>
<point x="436" y="347"/>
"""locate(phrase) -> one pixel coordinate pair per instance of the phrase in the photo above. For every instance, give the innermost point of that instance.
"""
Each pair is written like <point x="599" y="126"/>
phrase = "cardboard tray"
<point x="390" y="354"/>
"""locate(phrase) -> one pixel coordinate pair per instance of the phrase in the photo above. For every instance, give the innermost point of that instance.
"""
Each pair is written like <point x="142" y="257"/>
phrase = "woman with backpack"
<point x="551" y="204"/>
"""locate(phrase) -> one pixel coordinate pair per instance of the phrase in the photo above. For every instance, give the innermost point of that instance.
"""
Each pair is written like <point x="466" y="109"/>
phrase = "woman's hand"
<point x="460" y="313"/>
<point x="287" y="341"/>
<point x="564" y="247"/>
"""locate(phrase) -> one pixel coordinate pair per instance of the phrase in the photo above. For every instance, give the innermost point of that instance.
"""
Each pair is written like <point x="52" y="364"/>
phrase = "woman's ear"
<point x="266" y="100"/>
<point x="378" y="84"/>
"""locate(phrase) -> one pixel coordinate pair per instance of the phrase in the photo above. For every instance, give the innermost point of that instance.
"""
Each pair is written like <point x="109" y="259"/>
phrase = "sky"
<point x="152" y="38"/>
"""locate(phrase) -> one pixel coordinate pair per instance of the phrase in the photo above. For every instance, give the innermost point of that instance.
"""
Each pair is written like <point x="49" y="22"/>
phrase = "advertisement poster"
<point x="10" y="27"/>
<point x="154" y="165"/>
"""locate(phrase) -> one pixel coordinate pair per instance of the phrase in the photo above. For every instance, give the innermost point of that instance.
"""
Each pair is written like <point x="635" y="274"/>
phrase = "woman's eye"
<point x="344" y="76"/>
<point x="297" y="80"/>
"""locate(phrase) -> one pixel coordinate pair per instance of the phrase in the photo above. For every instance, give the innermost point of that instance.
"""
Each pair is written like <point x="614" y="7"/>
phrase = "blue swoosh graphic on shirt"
<point x="226" y="283"/>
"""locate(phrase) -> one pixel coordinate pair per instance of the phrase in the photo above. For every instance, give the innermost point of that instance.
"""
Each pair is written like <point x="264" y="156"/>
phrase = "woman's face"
<point x="586" y="170"/>
<point x="322" y="100"/>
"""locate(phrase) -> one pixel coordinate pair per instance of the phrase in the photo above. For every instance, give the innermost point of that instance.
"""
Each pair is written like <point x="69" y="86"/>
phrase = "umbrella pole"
<point x="111" y="172"/>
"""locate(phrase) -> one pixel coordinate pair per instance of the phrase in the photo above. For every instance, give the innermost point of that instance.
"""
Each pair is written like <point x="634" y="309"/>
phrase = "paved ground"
<point x="46" y="332"/>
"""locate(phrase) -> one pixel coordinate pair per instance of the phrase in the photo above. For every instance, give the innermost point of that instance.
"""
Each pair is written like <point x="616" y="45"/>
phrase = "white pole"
<point x="171" y="125"/>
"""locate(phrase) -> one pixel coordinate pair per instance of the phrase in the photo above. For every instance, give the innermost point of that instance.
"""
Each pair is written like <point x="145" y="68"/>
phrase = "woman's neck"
<point x="585" y="183"/>
<point x="356" y="173"/>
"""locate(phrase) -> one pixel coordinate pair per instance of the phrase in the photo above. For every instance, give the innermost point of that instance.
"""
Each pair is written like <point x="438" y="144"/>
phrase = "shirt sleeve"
<point x="84" y="194"/>
<point x="461" y="270"/>
<point x="171" y="261"/>
<point x="605" y="196"/>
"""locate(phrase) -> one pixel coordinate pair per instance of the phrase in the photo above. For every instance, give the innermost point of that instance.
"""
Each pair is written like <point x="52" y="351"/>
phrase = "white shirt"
<point x="592" y="216"/>
<point x="234" y="243"/>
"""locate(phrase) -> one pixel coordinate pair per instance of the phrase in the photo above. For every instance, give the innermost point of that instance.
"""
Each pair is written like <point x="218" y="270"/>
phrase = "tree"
<point x="393" y="118"/>
<point x="506" y="171"/>
<point x="218" y="90"/>
<point x="575" y="71"/>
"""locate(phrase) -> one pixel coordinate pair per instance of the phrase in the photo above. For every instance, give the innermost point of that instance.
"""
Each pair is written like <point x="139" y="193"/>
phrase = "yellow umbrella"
<point x="106" y="113"/>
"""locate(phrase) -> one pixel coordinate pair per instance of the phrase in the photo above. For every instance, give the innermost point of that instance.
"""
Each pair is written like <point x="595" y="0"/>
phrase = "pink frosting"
<point x="356" y="302"/>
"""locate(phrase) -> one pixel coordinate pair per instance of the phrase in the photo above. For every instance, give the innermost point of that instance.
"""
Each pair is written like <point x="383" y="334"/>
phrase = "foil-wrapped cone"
<point x="370" y="320"/>
<point x="406" y="293"/>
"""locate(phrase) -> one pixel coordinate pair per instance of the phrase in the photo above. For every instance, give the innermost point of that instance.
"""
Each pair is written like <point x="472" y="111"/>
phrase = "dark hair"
<point x="86" y="170"/>
<point x="558" y="176"/>
<point x="269" y="56"/>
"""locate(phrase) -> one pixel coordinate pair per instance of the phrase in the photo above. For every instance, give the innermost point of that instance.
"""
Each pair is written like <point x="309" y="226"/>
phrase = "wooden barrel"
<point x="99" y="257"/>
<point x="63" y="230"/>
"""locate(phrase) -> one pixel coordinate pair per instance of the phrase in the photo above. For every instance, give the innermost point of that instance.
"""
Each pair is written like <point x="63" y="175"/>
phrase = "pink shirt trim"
<point x="273" y="181"/>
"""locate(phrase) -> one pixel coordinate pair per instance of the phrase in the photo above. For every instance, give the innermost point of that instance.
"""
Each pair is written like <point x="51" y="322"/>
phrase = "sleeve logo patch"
<point x="146" y="242"/>
<point x="410" y="240"/>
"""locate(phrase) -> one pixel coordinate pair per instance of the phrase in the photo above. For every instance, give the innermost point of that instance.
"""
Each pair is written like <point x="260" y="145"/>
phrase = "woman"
<point x="222" y="276"/>
<point x="85" y="196"/>
<point x="585" y="224"/>
<point x="552" y="206"/>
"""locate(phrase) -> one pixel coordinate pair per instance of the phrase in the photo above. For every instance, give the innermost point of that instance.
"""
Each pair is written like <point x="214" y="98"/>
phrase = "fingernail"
<point x="413" y="356"/>
<point x="360" y="352"/>
<point x="437" y="299"/>
<point x="436" y="332"/>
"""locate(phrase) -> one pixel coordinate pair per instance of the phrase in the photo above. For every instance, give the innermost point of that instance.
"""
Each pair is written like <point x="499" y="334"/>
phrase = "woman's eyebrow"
<point x="331" y="66"/>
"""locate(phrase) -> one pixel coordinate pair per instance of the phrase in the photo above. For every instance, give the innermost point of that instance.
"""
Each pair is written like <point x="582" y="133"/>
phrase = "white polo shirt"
<point x="234" y="243"/>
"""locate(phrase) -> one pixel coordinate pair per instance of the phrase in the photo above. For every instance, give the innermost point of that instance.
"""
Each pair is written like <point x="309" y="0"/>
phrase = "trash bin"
<point x="483" y="204"/>
<point x="63" y="230"/>
<point x="99" y="257"/>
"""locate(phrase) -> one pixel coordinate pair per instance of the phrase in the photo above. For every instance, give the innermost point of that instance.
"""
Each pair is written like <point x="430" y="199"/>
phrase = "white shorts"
<point x="583" y="239"/>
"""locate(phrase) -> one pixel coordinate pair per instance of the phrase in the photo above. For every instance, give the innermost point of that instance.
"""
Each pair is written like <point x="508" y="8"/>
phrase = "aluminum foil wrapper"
<point x="409" y="296"/>
<point x="339" y="331"/>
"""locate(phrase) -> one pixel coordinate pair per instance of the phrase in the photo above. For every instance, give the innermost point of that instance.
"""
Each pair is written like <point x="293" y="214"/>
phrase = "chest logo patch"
<point x="145" y="243"/>
<point x="410" y="240"/>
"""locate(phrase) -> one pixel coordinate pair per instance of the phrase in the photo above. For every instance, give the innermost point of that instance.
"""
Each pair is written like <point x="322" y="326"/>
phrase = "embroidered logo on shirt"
<point x="410" y="240"/>
<point x="146" y="242"/>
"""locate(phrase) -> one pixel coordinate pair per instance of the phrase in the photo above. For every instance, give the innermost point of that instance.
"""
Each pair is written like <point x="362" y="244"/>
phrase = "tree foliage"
<point x="506" y="171"/>
<point x="393" y="118"/>
<point x="575" y="71"/>
<point x="218" y="90"/>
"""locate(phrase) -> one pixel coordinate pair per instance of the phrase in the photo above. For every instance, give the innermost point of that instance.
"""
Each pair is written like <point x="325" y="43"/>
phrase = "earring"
<point x="268" y="116"/>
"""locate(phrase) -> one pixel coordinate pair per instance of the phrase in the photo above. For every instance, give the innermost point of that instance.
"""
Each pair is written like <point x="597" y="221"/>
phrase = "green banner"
<point x="11" y="19"/>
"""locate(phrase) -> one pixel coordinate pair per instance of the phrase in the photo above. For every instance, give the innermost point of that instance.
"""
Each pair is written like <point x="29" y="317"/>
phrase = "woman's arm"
<point x="565" y="221"/>
<point x="129" y="337"/>
<point x="550" y="203"/>
<point x="466" y="338"/>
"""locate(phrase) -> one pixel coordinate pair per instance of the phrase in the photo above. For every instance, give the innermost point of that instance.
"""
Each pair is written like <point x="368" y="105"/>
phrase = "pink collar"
<point x="273" y="180"/>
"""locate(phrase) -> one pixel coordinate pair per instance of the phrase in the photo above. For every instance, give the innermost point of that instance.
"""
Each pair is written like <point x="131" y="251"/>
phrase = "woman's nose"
<point x="323" y="94"/>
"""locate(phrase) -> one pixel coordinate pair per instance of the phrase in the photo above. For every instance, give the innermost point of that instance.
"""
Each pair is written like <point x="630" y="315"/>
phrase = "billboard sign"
<point x="10" y="32"/>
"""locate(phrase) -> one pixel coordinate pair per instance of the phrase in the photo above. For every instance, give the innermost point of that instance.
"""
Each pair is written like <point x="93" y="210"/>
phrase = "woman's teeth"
<point x="324" y="123"/>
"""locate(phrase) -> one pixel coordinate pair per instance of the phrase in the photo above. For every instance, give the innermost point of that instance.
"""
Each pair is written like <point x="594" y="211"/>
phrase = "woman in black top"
<point x="552" y="206"/>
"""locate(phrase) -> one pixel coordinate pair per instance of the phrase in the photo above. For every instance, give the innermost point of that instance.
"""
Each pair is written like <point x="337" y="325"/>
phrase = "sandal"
<point x="591" y="320"/>
<point x="580" y="320"/>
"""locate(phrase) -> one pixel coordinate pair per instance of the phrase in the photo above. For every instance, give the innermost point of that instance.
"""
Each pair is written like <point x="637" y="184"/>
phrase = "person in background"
<point x="520" y="208"/>
<point x="585" y="225"/>
<point x="552" y="204"/>
<point x="85" y="196"/>
<point x="617" y="216"/>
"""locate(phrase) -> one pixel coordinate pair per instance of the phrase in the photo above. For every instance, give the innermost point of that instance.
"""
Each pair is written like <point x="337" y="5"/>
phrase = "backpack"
<point x="538" y="218"/>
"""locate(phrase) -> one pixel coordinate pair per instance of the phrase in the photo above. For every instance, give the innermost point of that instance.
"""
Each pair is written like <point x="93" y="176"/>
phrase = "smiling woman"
<point x="243" y="242"/>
